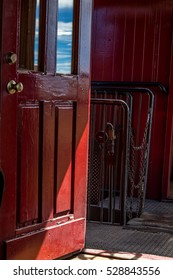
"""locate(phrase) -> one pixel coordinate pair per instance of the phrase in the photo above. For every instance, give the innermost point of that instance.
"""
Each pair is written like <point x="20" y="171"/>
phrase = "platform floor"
<point x="92" y="255"/>
<point x="152" y="234"/>
<point x="116" y="239"/>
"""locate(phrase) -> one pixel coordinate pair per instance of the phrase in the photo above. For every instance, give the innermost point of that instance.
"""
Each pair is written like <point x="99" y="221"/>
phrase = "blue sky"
<point x="64" y="36"/>
<point x="64" y="42"/>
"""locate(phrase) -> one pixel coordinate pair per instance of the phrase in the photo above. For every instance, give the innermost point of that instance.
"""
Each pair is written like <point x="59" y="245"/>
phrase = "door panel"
<point x="45" y="159"/>
<point x="28" y="163"/>
<point x="49" y="243"/>
<point x="64" y="138"/>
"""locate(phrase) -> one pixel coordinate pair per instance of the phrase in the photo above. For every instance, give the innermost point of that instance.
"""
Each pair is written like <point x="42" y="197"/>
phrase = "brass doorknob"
<point x="13" y="87"/>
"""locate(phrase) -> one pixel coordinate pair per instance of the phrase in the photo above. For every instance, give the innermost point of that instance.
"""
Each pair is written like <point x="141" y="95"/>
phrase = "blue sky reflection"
<point x="64" y="36"/>
<point x="36" y="33"/>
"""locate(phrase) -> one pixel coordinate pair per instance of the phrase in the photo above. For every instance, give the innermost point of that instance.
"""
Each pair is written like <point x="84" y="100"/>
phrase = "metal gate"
<point x="118" y="151"/>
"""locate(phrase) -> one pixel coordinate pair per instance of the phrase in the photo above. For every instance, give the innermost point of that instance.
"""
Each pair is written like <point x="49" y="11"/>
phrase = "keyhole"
<point x="2" y="185"/>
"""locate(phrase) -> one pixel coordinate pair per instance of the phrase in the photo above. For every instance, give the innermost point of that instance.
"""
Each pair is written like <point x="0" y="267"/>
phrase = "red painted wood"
<point x="28" y="159"/>
<point x="50" y="63"/>
<point x="48" y="151"/>
<point x="8" y="129"/>
<point x="132" y="42"/>
<point x="80" y="165"/>
<point x="64" y="127"/>
<point x="54" y="89"/>
<point x="167" y="167"/>
<point x="155" y="168"/>
<point x="52" y="147"/>
<point x="58" y="241"/>
<point x="82" y="111"/>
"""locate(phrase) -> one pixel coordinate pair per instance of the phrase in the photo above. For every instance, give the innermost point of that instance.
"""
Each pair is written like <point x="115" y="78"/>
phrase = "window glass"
<point x="64" y="36"/>
<point x="31" y="53"/>
<point x="36" y="41"/>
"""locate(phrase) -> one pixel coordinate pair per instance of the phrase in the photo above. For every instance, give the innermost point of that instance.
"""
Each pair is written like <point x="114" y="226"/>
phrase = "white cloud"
<point x="65" y="4"/>
<point x="64" y="28"/>
<point x="61" y="56"/>
<point x="36" y="34"/>
<point x="64" y="69"/>
<point x="64" y="65"/>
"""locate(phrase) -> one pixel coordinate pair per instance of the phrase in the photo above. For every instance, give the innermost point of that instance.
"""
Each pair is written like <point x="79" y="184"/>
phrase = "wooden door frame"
<point x="8" y="140"/>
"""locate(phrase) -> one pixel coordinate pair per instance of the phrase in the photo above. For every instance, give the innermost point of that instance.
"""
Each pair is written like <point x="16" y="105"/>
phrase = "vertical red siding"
<point x="132" y="42"/>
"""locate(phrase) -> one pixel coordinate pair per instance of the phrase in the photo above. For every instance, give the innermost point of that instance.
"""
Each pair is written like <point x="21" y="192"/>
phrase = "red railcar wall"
<point x="132" y="42"/>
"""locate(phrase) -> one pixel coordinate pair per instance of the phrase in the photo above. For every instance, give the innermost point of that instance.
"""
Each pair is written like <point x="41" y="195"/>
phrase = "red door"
<point x="44" y="131"/>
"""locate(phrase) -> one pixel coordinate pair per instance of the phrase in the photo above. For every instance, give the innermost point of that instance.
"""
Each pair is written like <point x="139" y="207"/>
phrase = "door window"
<point x="33" y="29"/>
